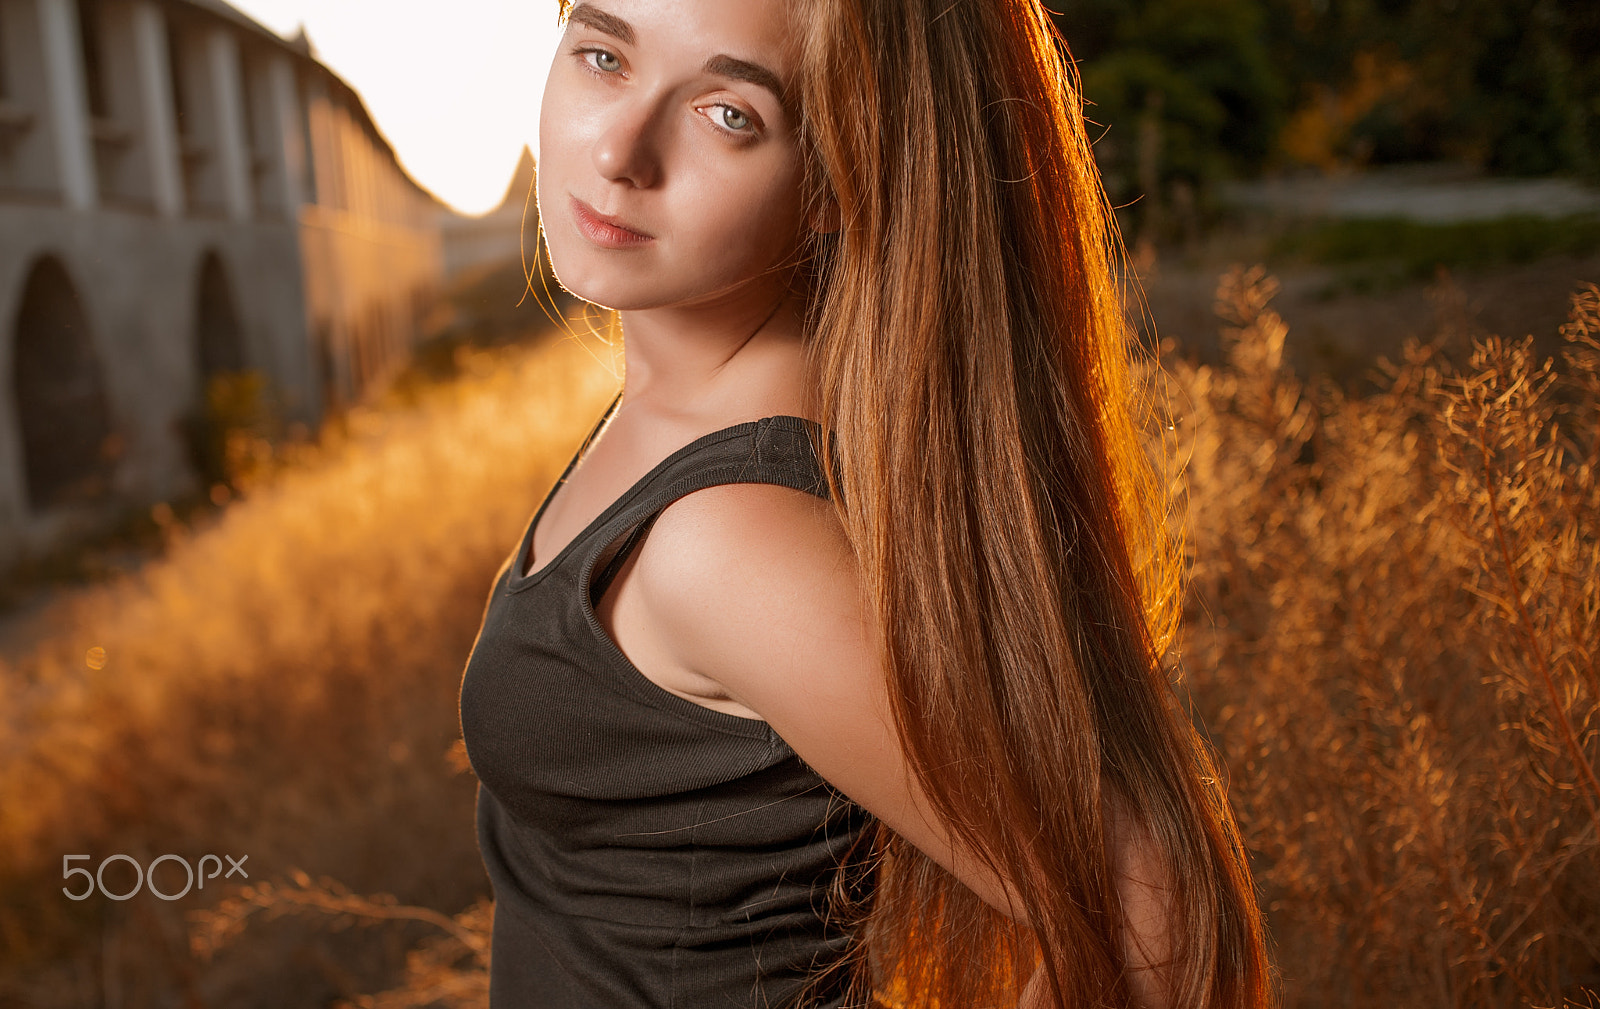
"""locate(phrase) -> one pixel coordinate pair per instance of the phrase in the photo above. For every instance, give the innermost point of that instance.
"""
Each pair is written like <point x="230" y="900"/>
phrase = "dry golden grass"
<point x="1393" y="634"/>
<point x="283" y="685"/>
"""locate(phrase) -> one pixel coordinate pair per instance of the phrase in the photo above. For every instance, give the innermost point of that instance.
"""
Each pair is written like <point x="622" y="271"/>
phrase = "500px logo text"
<point x="95" y="880"/>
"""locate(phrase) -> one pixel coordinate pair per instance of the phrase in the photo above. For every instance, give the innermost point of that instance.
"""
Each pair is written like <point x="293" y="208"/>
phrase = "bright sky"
<point x="455" y="85"/>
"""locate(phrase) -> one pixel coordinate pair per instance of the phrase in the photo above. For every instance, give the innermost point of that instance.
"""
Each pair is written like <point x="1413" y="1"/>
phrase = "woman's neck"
<point x="735" y="360"/>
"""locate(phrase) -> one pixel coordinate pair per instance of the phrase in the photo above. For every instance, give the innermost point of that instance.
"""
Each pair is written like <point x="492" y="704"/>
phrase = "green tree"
<point x="1510" y="85"/>
<point x="1184" y="90"/>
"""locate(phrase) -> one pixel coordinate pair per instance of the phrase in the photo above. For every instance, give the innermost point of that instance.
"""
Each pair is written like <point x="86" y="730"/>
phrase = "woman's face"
<point x="669" y="166"/>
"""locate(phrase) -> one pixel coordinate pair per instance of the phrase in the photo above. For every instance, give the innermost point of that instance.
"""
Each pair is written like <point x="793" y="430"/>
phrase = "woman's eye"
<point x="732" y="118"/>
<point x="609" y="62"/>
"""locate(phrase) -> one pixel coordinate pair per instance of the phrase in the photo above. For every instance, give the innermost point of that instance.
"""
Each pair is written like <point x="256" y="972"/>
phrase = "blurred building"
<point x="183" y="193"/>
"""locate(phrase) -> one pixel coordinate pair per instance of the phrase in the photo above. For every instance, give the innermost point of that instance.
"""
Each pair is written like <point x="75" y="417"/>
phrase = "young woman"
<point x="830" y="670"/>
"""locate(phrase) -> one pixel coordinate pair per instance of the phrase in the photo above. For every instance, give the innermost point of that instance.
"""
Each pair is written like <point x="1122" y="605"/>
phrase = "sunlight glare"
<point x="454" y="87"/>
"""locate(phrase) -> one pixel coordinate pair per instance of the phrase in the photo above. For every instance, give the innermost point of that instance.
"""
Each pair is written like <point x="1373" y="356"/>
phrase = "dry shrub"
<point x="1392" y="634"/>
<point x="448" y="970"/>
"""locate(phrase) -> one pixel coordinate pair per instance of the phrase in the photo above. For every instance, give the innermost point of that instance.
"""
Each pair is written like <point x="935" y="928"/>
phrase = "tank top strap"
<point x="778" y="450"/>
<point x="588" y="439"/>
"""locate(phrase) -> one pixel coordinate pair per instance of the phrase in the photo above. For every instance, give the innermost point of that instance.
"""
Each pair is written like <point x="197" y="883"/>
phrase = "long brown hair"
<point x="971" y="354"/>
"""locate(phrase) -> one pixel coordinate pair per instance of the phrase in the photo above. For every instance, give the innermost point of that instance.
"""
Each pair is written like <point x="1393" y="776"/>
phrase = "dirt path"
<point x="1436" y="194"/>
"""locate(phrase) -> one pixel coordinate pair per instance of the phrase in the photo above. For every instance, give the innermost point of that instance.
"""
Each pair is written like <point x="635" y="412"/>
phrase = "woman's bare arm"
<point x="753" y="587"/>
<point x="1144" y="890"/>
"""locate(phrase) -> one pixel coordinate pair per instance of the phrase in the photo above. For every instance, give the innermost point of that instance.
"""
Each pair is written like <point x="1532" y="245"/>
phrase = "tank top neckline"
<point x="518" y="578"/>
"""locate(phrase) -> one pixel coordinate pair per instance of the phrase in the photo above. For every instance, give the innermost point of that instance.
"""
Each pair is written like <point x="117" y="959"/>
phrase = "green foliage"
<point x="1510" y="85"/>
<point x="1197" y="71"/>
<point x="1191" y="90"/>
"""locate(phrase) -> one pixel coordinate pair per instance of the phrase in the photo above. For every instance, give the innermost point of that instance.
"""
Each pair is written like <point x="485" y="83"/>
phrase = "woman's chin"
<point x="619" y="290"/>
<point x="638" y="286"/>
<point x="601" y="291"/>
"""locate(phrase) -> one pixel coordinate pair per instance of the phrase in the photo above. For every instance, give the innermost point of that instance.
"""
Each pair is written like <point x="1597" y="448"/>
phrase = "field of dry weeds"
<point x="1393" y="638"/>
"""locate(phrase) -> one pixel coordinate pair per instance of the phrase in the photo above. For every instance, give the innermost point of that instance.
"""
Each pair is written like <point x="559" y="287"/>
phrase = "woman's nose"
<point x="626" y="150"/>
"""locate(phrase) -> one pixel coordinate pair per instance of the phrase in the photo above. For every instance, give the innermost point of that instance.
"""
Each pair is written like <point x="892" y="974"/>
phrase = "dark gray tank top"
<point x="645" y="851"/>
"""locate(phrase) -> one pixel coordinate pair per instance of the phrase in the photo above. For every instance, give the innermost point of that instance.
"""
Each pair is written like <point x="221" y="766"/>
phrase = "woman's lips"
<point x="607" y="232"/>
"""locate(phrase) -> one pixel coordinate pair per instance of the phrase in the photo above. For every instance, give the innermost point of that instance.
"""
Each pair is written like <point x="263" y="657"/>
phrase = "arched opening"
<point x="231" y="398"/>
<point x="217" y="330"/>
<point x="67" y="442"/>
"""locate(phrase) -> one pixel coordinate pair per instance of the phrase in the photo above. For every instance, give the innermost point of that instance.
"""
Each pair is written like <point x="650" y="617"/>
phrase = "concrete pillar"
<point x="291" y="135"/>
<point x="158" y="113"/>
<point x="69" y="104"/>
<point x="227" y="89"/>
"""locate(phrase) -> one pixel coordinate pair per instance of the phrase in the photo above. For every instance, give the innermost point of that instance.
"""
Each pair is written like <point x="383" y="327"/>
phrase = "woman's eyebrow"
<point x="600" y="21"/>
<point x="721" y="65"/>
<point x="744" y="70"/>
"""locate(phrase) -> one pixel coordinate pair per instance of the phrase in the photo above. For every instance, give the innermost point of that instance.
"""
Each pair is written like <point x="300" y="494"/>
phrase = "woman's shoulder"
<point x="743" y="537"/>
<point x="737" y="575"/>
